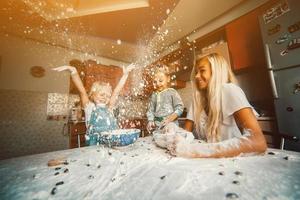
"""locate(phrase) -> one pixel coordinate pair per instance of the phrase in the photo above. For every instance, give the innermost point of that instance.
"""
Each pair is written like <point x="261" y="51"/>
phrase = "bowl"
<point x="119" y="137"/>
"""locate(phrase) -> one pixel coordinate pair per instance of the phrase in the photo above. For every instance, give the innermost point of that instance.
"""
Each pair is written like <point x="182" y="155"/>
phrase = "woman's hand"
<point x="179" y="147"/>
<point x="73" y="70"/>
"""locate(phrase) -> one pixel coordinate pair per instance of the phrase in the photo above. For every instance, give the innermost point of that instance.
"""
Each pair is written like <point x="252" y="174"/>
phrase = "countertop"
<point x="144" y="171"/>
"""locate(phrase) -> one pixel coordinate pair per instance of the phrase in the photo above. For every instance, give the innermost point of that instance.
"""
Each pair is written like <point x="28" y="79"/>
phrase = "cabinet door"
<point x="80" y="66"/>
<point x="147" y="77"/>
<point x="97" y="72"/>
<point x="269" y="126"/>
<point x="74" y="131"/>
<point x="245" y="42"/>
<point x="178" y="84"/>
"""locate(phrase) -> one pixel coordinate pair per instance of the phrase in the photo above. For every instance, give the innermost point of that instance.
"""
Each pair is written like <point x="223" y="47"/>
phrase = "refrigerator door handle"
<point x="268" y="57"/>
<point x="273" y="84"/>
<point x="271" y="73"/>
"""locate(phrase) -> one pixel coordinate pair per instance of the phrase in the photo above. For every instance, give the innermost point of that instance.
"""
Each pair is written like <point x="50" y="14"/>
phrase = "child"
<point x="98" y="105"/>
<point x="221" y="113"/>
<point x="165" y="103"/>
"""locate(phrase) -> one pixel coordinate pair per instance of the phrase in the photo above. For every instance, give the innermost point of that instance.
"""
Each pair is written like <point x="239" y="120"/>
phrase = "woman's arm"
<point x="77" y="82"/>
<point x="120" y="85"/>
<point x="252" y="141"/>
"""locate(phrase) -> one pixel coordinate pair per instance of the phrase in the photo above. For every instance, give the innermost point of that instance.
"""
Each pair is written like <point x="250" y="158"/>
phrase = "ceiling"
<point x="123" y="30"/>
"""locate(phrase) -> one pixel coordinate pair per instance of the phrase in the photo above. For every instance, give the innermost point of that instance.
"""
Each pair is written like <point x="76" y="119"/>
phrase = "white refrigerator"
<point x="280" y="28"/>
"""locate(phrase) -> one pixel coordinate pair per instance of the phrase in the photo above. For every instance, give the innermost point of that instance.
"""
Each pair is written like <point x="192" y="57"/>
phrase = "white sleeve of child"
<point x="88" y="109"/>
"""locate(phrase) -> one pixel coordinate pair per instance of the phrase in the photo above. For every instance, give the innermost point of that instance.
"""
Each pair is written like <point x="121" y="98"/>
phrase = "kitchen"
<point x="39" y="109"/>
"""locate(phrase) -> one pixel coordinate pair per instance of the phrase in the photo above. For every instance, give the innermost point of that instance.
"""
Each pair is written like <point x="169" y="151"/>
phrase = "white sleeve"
<point x="233" y="99"/>
<point x="88" y="109"/>
<point x="190" y="114"/>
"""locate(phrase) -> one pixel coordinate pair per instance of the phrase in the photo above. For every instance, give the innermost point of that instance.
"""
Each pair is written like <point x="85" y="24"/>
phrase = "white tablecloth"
<point x="144" y="171"/>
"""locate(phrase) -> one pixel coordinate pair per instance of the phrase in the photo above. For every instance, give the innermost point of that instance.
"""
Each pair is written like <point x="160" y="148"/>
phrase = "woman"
<point x="220" y="113"/>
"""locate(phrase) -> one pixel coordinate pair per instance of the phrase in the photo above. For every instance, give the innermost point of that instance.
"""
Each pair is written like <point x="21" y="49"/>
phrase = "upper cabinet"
<point x="102" y="73"/>
<point x="80" y="66"/>
<point x="180" y="64"/>
<point x="245" y="41"/>
<point x="90" y="71"/>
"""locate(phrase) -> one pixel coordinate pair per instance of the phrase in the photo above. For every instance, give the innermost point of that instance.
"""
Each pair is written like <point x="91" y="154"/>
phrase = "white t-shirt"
<point x="233" y="99"/>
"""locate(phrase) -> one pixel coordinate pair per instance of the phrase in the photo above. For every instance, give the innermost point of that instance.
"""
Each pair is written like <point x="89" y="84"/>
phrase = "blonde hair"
<point x="211" y="98"/>
<point x="100" y="87"/>
<point x="161" y="68"/>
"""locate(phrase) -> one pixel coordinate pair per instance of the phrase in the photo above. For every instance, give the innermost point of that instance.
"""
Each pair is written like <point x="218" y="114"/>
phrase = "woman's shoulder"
<point x="233" y="94"/>
<point x="231" y="86"/>
<point x="233" y="98"/>
<point x="232" y="89"/>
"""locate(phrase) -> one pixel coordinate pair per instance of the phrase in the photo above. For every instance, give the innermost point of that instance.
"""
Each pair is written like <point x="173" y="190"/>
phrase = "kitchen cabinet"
<point x="147" y="78"/>
<point x="268" y="124"/>
<point x="80" y="66"/>
<point x="178" y="84"/>
<point x="180" y="63"/>
<point x="245" y="42"/>
<point x="102" y="73"/>
<point x="76" y="134"/>
<point x="90" y="71"/>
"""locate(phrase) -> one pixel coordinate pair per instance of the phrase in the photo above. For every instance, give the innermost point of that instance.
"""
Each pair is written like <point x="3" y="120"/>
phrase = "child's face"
<point x="100" y="97"/>
<point x="202" y="74"/>
<point x="160" y="81"/>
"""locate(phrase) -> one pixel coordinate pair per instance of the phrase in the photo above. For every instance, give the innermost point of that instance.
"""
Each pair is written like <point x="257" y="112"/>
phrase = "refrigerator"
<point x="280" y="29"/>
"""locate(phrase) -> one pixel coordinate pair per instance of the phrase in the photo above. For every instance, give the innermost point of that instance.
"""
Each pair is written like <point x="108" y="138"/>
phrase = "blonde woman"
<point x="220" y="114"/>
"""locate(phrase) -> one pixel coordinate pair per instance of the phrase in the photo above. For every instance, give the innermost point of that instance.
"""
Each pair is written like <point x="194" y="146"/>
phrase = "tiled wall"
<point x="24" y="128"/>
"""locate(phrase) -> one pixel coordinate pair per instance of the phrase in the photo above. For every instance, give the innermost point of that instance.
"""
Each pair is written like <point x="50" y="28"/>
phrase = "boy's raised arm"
<point x="77" y="82"/>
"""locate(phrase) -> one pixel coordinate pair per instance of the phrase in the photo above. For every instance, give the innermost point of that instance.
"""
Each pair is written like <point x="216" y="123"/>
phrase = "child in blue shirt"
<point x="98" y="104"/>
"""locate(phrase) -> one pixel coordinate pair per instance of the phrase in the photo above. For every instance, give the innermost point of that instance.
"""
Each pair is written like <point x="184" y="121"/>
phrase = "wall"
<point x="19" y="55"/>
<point x="24" y="128"/>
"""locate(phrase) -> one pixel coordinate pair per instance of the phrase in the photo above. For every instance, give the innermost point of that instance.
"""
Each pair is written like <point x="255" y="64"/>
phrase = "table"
<point x="144" y="171"/>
